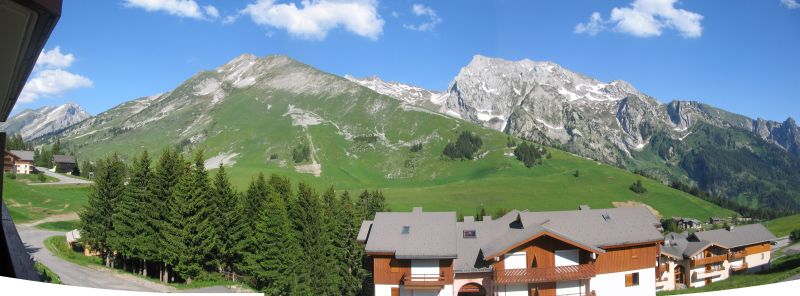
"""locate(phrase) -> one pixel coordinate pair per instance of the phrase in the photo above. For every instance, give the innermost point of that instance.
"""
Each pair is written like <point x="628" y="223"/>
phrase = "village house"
<point x="64" y="163"/>
<point x="581" y="252"/>
<point x="710" y="256"/>
<point x="688" y="223"/>
<point x="18" y="162"/>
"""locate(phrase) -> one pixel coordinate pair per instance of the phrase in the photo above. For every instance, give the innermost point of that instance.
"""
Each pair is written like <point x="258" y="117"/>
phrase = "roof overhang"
<point x="25" y="26"/>
<point x="545" y="232"/>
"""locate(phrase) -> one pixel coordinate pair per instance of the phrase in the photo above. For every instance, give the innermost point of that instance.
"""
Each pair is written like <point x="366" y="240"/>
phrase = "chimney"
<point x="469" y="219"/>
<point x="417" y="210"/>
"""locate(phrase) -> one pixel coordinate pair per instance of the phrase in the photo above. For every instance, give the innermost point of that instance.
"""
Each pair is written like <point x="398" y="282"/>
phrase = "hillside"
<point x="615" y="123"/>
<point x="783" y="225"/>
<point x="252" y="113"/>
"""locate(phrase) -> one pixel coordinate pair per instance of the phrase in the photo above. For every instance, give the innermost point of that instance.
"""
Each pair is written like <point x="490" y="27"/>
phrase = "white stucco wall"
<point x="481" y="278"/>
<point x="513" y="290"/>
<point x="668" y="277"/>
<point x="757" y="262"/>
<point x="614" y="283"/>
<point x="384" y="290"/>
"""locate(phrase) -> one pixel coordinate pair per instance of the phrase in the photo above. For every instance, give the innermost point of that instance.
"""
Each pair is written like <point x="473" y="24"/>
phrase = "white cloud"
<point x="50" y="78"/>
<point x="51" y="82"/>
<point x="594" y="26"/>
<point x="54" y="59"/>
<point x="646" y="18"/>
<point x="313" y="19"/>
<point x="424" y="11"/>
<point x="790" y="4"/>
<point x="181" y="8"/>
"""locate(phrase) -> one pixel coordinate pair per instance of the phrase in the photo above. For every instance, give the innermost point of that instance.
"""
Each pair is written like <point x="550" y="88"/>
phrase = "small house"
<point x="18" y="162"/>
<point x="64" y="163"/>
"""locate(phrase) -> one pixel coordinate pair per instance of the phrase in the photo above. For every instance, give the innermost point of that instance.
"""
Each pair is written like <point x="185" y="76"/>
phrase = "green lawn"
<point x="30" y="202"/>
<point x="784" y="225"/>
<point x="59" y="225"/>
<point x="33" y="178"/>
<point x="782" y="268"/>
<point x="48" y="276"/>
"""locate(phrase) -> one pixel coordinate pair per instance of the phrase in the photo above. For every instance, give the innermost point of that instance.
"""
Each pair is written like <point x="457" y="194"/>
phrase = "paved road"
<point x="62" y="179"/>
<point x="93" y="277"/>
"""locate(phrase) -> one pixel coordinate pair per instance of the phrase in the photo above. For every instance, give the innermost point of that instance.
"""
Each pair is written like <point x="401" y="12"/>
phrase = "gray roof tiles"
<point x="738" y="236"/>
<point x="63" y="158"/>
<point x="430" y="235"/>
<point x="23" y="154"/>
<point x="363" y="232"/>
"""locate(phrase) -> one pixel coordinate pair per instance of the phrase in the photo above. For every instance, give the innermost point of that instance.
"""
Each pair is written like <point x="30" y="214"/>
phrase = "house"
<point x="688" y="223"/>
<point x="18" y="162"/>
<point x="581" y="252"/>
<point x="64" y="163"/>
<point x="710" y="256"/>
<point x="717" y="220"/>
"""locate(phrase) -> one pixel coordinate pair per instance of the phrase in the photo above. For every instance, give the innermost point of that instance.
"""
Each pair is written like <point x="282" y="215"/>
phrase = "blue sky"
<point x="739" y="55"/>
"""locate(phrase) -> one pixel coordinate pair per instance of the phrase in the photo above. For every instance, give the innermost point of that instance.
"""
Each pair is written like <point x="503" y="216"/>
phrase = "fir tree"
<point x="276" y="252"/>
<point x="168" y="172"/>
<point x="281" y="185"/>
<point x="306" y="215"/>
<point x="351" y="252"/>
<point x="96" y="220"/>
<point x="226" y="220"/>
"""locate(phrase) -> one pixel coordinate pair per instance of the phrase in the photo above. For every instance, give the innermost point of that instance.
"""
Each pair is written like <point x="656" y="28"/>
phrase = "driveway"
<point x="93" y="277"/>
<point x="62" y="179"/>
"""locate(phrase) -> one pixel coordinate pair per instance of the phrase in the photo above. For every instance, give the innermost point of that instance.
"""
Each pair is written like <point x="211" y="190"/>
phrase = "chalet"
<point x="709" y="256"/>
<point x="688" y="223"/>
<point x="64" y="163"/>
<point x="18" y="162"/>
<point x="582" y="252"/>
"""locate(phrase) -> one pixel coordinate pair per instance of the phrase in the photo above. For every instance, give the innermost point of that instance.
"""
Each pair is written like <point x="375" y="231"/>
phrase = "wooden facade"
<point x="760" y="248"/>
<point x="390" y="271"/>
<point x="619" y="259"/>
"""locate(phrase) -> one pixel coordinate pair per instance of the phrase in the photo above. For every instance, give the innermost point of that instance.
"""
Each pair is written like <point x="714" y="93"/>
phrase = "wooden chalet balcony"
<point x="736" y="255"/>
<point x="709" y="260"/>
<point x="545" y="274"/>
<point x="739" y="268"/>
<point x="423" y="281"/>
<point x="660" y="269"/>
<point x="714" y="272"/>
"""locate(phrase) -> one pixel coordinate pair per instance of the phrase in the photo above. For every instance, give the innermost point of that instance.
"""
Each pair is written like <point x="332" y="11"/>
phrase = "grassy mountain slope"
<point x="255" y="111"/>
<point x="783" y="225"/>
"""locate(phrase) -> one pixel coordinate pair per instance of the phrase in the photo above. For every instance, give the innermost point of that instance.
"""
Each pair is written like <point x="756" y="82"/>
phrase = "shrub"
<point x="12" y="176"/>
<point x="273" y="156"/>
<point x="638" y="187"/>
<point x="576" y="174"/>
<point x="795" y="235"/>
<point x="41" y="177"/>
<point x="463" y="148"/>
<point x="301" y="153"/>
<point x="416" y="147"/>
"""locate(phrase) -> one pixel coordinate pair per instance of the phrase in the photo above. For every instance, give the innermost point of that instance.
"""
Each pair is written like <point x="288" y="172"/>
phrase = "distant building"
<point x="688" y="223"/>
<point x="583" y="252"/>
<point x="717" y="220"/>
<point x="710" y="256"/>
<point x="18" y="162"/>
<point x="64" y="163"/>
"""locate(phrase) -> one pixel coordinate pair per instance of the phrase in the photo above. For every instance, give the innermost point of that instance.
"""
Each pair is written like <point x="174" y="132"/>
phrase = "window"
<point x="406" y="229"/>
<point x="632" y="279"/>
<point x="469" y="234"/>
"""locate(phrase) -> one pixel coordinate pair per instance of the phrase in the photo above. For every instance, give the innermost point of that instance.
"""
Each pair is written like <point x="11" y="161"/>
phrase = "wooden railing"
<point x="545" y="274"/>
<point x="423" y="280"/>
<point x="740" y="267"/>
<point x="736" y="255"/>
<point x="709" y="260"/>
<point x="710" y="273"/>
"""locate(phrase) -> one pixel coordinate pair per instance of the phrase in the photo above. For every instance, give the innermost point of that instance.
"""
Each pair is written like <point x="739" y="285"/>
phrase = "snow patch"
<point x="226" y="159"/>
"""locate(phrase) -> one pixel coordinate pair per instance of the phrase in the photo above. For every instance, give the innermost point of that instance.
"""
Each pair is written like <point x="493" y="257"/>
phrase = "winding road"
<point x="93" y="277"/>
<point x="62" y="179"/>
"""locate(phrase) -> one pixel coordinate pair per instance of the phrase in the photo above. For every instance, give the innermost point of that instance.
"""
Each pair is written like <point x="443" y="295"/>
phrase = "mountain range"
<point x="255" y="111"/>
<point x="35" y="123"/>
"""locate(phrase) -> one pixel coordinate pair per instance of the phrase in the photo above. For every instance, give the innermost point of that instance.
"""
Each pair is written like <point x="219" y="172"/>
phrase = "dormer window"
<point x="470" y="234"/>
<point x="406" y="229"/>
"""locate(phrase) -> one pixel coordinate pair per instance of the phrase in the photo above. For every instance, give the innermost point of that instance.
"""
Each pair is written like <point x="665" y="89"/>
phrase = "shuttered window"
<point x="632" y="279"/>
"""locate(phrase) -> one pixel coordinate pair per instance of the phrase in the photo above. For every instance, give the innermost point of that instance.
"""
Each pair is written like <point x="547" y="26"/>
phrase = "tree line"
<point x="464" y="147"/>
<point x="175" y="222"/>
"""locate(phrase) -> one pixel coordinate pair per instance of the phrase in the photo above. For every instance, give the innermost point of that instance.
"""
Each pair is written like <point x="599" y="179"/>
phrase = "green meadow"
<point x="28" y="203"/>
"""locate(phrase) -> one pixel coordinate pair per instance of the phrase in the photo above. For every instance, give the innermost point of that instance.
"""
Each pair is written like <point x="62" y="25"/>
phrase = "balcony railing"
<point x="714" y="272"/>
<point x="736" y="255"/>
<point x="709" y="260"/>
<point x="739" y="268"/>
<point x="545" y="274"/>
<point x="423" y="280"/>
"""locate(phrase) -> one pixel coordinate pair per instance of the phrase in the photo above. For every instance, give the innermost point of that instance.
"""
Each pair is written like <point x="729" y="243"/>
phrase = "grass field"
<point x="59" y="225"/>
<point x="784" y="225"/>
<point x="782" y="269"/>
<point x="33" y="178"/>
<point x="29" y="203"/>
<point x="48" y="276"/>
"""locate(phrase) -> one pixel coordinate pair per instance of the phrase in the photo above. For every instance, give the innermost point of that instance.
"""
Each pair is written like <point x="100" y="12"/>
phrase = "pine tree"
<point x="191" y="237"/>
<point x="129" y="219"/>
<point x="226" y="220"/>
<point x="276" y="252"/>
<point x="96" y="220"/>
<point x="350" y="251"/>
<point x="332" y="280"/>
<point x="281" y="185"/>
<point x="168" y="172"/>
<point x="306" y="215"/>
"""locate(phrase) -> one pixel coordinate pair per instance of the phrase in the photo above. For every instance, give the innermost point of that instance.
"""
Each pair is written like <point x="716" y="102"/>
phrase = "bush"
<point x="416" y="147"/>
<point x="577" y="173"/>
<point x="463" y="148"/>
<point x="529" y="154"/>
<point x="795" y="235"/>
<point x="41" y="178"/>
<point x="638" y="187"/>
<point x="273" y="156"/>
<point x="301" y="153"/>
<point x="12" y="176"/>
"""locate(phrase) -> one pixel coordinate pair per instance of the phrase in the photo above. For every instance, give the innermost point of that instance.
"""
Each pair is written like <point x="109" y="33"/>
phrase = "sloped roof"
<point x="23" y="154"/>
<point x="737" y="236"/>
<point x="63" y="158"/>
<point x="363" y="232"/>
<point x="428" y="236"/>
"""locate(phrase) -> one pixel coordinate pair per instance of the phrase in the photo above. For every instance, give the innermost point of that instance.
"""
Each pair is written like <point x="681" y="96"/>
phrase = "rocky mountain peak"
<point x="31" y="124"/>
